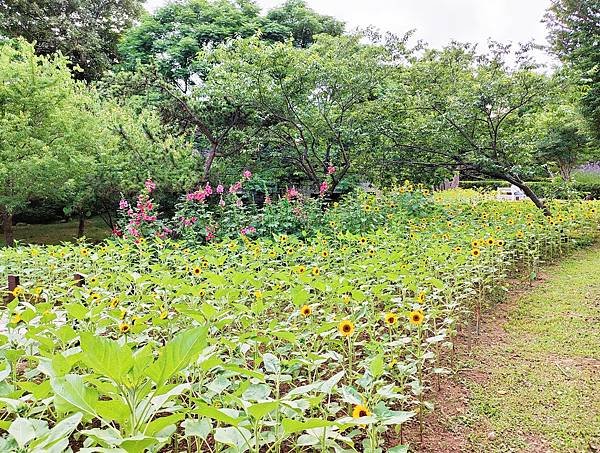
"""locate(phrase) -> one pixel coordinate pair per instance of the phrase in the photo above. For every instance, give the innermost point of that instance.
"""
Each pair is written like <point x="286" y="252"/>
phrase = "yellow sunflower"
<point x="16" y="318"/>
<point x="391" y="319"/>
<point x="124" y="327"/>
<point x="306" y="310"/>
<point x="475" y="252"/>
<point x="346" y="328"/>
<point x="416" y="317"/>
<point x="18" y="291"/>
<point x="360" y="411"/>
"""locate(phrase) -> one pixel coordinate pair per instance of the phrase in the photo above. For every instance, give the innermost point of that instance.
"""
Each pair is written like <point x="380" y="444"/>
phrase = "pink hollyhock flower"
<point x="150" y="185"/>
<point x="118" y="233"/>
<point x="330" y="170"/>
<point x="123" y="204"/>
<point x="323" y="188"/>
<point x="239" y="203"/>
<point x="210" y="233"/>
<point x="247" y="174"/>
<point x="220" y="188"/>
<point x="208" y="189"/>
<point x="133" y="231"/>
<point x="221" y="202"/>
<point x="248" y="230"/>
<point x="292" y="193"/>
<point x="235" y="187"/>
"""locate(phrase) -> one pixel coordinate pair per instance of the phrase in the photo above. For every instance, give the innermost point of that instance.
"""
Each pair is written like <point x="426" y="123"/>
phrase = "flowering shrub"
<point x="140" y="220"/>
<point x="292" y="213"/>
<point x="207" y="214"/>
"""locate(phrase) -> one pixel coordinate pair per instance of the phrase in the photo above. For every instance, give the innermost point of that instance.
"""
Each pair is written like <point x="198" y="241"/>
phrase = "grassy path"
<point x="536" y="382"/>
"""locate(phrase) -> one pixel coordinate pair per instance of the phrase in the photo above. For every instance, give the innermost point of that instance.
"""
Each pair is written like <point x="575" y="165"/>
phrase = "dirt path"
<point x="532" y="383"/>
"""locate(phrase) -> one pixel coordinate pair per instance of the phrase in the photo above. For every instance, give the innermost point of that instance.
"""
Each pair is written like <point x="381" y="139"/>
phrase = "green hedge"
<point x="547" y="189"/>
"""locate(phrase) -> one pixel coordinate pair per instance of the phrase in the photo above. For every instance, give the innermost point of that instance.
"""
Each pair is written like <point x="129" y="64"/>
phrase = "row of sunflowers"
<point x="327" y="343"/>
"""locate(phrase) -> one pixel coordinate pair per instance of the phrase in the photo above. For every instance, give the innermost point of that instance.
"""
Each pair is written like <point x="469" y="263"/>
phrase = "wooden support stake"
<point x="79" y="279"/>
<point x="13" y="282"/>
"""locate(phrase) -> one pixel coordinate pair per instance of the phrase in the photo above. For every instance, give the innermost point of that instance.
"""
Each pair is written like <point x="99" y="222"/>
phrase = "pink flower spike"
<point x="123" y="204"/>
<point x="330" y="170"/>
<point x="292" y="193"/>
<point x="323" y="188"/>
<point x="247" y="174"/>
<point x="220" y="189"/>
<point x="150" y="185"/>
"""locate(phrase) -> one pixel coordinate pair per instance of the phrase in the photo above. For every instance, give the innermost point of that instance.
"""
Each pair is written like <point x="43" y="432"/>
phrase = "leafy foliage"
<point x="85" y="31"/>
<point x="574" y="26"/>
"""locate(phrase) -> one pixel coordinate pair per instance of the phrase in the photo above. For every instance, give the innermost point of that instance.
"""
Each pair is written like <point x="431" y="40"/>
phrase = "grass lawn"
<point x="54" y="233"/>
<point x="542" y="386"/>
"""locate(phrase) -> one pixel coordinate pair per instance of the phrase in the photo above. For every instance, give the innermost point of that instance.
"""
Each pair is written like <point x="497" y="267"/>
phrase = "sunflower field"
<point x="331" y="342"/>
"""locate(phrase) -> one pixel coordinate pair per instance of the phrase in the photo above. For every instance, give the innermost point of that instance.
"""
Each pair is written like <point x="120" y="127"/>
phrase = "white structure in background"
<point x="512" y="193"/>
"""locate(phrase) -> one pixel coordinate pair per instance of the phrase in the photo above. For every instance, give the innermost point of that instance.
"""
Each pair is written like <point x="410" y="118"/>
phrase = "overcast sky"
<point x="437" y="21"/>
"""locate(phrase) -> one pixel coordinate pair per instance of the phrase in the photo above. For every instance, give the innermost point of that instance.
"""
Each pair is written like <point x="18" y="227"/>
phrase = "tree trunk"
<point x="7" y="220"/>
<point x="209" y="161"/>
<point x="532" y="196"/>
<point x="565" y="172"/>
<point x="81" y="227"/>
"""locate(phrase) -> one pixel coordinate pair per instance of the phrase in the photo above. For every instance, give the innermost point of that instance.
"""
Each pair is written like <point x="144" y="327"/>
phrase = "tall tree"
<point x="45" y="128"/>
<point x="302" y="23"/>
<point x="472" y="112"/>
<point x="574" y="27"/>
<point x="86" y="31"/>
<point x="306" y="102"/>
<point x="174" y="35"/>
<point x="564" y="138"/>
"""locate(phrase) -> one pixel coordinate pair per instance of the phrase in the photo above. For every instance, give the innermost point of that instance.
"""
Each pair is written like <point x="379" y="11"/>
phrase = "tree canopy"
<point x="85" y="31"/>
<point x="174" y="35"/>
<point x="574" y="28"/>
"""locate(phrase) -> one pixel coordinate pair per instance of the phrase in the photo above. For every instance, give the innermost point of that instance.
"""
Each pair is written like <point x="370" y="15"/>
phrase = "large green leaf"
<point x="291" y="426"/>
<point x="259" y="410"/>
<point x="240" y="439"/>
<point x="106" y="357"/>
<point x="57" y="440"/>
<point x="178" y="353"/>
<point x="71" y="394"/>
<point x="24" y="430"/>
